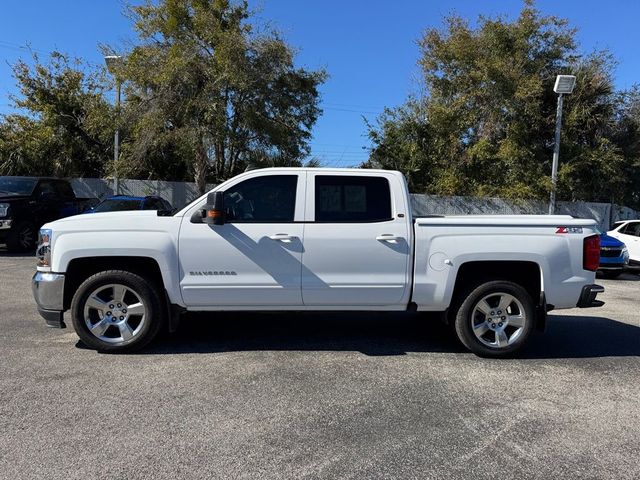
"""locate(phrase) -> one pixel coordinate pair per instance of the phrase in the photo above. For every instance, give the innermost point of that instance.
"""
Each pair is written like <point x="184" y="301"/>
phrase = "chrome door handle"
<point x="282" y="237"/>
<point x="388" y="237"/>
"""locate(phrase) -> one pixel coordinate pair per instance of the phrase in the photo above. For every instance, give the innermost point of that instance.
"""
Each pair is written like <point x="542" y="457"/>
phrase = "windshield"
<point x="118" y="204"/>
<point x="18" y="186"/>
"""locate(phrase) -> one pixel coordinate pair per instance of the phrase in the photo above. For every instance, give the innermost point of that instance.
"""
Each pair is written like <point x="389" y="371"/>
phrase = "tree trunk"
<point x="200" y="170"/>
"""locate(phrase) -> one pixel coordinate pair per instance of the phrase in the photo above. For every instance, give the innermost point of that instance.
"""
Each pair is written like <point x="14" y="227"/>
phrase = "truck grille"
<point x="610" y="252"/>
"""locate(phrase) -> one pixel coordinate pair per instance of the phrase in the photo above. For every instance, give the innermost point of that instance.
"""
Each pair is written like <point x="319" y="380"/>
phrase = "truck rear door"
<point x="356" y="241"/>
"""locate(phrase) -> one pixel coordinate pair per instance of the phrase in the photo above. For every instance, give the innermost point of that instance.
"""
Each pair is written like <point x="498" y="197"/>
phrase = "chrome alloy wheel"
<point x="498" y="319"/>
<point x="114" y="313"/>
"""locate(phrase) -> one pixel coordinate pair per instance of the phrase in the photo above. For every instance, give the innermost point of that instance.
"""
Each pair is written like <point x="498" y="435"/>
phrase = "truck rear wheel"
<point x="495" y="319"/>
<point x="117" y="311"/>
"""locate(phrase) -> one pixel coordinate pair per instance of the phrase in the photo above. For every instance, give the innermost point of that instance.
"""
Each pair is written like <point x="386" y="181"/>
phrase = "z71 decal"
<point x="569" y="230"/>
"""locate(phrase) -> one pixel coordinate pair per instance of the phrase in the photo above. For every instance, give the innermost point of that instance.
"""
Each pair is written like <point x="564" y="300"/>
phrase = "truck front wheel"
<point x="495" y="319"/>
<point x="117" y="311"/>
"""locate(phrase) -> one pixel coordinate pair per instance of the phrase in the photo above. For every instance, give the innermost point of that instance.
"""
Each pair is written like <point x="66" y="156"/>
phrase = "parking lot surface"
<point x="320" y="396"/>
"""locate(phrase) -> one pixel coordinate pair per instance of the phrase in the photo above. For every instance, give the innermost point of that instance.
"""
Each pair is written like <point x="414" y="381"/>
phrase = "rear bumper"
<point x="612" y="266"/>
<point x="48" y="291"/>
<point x="588" y="296"/>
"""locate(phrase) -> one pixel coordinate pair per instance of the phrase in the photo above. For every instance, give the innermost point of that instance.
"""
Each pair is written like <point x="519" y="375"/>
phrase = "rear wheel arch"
<point x="527" y="274"/>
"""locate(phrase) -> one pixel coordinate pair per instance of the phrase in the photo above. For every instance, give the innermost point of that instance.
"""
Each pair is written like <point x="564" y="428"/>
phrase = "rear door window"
<point x="352" y="199"/>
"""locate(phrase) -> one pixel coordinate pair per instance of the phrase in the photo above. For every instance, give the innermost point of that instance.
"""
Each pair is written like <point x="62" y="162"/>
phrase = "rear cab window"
<point x="352" y="199"/>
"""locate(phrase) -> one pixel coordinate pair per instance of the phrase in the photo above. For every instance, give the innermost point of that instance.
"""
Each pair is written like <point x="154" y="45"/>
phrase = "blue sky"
<point x="368" y="47"/>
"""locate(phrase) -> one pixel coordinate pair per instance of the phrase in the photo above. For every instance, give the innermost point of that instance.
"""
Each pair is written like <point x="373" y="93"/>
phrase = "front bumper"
<point x="588" y="296"/>
<point x="48" y="291"/>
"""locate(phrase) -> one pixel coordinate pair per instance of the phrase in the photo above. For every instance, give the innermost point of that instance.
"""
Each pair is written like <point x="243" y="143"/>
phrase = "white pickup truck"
<point x="312" y="239"/>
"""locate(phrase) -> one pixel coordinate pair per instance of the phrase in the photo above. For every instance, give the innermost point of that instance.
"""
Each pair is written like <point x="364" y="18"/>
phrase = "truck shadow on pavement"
<point x="384" y="334"/>
<point x="569" y="336"/>
<point x="372" y="334"/>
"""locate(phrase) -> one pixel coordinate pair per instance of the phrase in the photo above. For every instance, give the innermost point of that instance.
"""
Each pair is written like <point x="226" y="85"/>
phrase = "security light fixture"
<point x="112" y="62"/>
<point x="564" y="84"/>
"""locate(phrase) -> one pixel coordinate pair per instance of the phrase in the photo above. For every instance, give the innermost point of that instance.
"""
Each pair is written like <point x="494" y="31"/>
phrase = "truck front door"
<point x="254" y="259"/>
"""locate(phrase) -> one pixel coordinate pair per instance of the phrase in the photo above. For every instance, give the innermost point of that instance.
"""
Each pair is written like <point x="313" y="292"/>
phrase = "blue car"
<point x="119" y="203"/>
<point x="614" y="256"/>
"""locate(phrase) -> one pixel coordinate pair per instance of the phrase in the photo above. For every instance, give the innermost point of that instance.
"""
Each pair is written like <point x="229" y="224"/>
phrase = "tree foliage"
<point x="208" y="93"/>
<point x="69" y="125"/>
<point x="486" y="125"/>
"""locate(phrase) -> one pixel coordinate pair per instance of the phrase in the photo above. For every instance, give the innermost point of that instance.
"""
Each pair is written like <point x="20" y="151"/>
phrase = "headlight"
<point x="625" y="254"/>
<point x="4" y="209"/>
<point x="43" y="253"/>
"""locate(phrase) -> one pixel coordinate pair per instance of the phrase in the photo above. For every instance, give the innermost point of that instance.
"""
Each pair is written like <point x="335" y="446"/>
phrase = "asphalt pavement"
<point x="357" y="396"/>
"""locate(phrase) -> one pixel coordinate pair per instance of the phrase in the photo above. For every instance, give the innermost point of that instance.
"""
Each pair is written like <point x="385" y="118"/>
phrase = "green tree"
<point x="66" y="128"/>
<point x="486" y="123"/>
<point x="209" y="95"/>
<point x="627" y="138"/>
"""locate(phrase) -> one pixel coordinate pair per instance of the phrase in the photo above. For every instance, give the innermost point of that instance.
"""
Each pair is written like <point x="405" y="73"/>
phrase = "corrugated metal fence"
<point x="181" y="193"/>
<point x="176" y="193"/>
<point x="604" y="213"/>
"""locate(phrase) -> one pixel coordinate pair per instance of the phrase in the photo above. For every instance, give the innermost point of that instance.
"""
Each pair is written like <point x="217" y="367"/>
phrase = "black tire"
<point x="610" y="274"/>
<point x="150" y="322"/>
<point x="466" y="316"/>
<point x="22" y="237"/>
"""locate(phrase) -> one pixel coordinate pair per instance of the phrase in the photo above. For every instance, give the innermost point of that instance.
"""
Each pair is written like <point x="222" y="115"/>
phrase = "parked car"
<point x="118" y="203"/>
<point x="628" y="232"/>
<point x="614" y="256"/>
<point x="26" y="203"/>
<point x="313" y="239"/>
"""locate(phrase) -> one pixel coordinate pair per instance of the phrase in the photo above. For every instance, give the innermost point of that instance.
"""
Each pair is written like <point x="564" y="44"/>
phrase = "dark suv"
<point x="26" y="203"/>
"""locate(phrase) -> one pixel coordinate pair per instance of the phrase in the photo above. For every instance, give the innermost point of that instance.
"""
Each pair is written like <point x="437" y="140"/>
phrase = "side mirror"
<point x="215" y="208"/>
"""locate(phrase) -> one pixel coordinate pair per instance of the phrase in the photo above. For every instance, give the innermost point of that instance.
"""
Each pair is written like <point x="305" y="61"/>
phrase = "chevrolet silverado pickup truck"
<point x="303" y="239"/>
<point x="26" y="203"/>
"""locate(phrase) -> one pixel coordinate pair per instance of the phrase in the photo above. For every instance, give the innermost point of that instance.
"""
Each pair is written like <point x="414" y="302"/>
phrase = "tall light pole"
<point x="564" y="85"/>
<point x="113" y="61"/>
